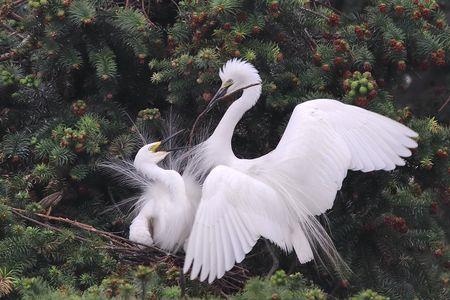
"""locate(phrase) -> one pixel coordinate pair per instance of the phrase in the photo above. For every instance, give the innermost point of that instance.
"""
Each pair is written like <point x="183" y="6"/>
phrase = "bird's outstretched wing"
<point x="235" y="210"/>
<point x="323" y="139"/>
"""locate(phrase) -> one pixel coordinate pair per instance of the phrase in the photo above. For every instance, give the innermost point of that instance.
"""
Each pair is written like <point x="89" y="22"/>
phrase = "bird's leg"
<point x="182" y="282"/>
<point x="275" y="261"/>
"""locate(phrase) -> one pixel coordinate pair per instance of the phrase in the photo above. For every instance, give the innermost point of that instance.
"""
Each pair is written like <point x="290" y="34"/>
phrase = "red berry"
<point x="416" y="15"/>
<point x="367" y="66"/>
<point x="372" y="94"/>
<point x="401" y="65"/>
<point x="274" y="5"/>
<point x="442" y="153"/>
<point x="239" y="37"/>
<point x="382" y="7"/>
<point x="438" y="252"/>
<point x="317" y="58"/>
<point x="79" y="147"/>
<point x="347" y="74"/>
<point x="333" y="19"/>
<point x="361" y="101"/>
<point x="256" y="29"/>
<point x="338" y="60"/>
<point x="344" y="283"/>
<point x="440" y="24"/>
<point x="359" y="32"/>
<point x="399" y="10"/>
<point x="434" y="207"/>
<point x="426" y="13"/>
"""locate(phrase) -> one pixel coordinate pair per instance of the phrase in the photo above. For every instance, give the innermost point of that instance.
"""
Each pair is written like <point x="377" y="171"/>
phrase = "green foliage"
<point x="70" y="70"/>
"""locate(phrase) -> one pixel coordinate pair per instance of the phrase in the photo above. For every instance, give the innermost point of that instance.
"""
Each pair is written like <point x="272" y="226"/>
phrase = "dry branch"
<point x="135" y="253"/>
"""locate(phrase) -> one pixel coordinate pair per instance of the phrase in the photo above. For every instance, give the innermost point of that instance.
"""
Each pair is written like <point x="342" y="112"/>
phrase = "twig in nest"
<point x="117" y="240"/>
<point x="134" y="252"/>
<point x="16" y="212"/>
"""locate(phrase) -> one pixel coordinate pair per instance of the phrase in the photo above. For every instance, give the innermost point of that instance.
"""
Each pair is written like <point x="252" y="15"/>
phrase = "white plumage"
<point x="168" y="204"/>
<point x="276" y="196"/>
<point x="166" y="208"/>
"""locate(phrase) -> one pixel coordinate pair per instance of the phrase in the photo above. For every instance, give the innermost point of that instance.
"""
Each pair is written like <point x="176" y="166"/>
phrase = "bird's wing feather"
<point x="323" y="139"/>
<point x="235" y="210"/>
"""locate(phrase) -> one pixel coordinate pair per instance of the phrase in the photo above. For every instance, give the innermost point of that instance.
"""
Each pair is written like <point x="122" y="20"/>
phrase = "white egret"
<point x="276" y="196"/>
<point x="168" y="203"/>
<point x="166" y="208"/>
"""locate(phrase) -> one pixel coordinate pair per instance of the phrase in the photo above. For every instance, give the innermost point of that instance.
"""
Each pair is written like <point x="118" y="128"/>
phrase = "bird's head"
<point x="236" y="75"/>
<point x="150" y="153"/>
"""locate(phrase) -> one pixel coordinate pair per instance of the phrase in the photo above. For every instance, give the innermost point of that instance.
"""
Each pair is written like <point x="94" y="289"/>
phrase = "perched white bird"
<point x="168" y="203"/>
<point x="276" y="196"/>
<point x="164" y="212"/>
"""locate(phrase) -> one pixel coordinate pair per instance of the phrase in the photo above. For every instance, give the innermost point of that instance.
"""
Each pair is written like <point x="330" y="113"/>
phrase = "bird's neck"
<point x="169" y="178"/>
<point x="221" y="138"/>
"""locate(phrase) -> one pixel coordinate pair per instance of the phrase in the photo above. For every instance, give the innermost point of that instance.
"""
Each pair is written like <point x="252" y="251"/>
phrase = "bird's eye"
<point x="228" y="83"/>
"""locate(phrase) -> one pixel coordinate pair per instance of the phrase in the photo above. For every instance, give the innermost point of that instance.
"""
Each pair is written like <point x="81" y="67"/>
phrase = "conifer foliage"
<point x="72" y="71"/>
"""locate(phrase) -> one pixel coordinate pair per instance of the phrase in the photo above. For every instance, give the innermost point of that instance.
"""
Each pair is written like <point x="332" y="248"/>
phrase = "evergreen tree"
<point x="72" y="71"/>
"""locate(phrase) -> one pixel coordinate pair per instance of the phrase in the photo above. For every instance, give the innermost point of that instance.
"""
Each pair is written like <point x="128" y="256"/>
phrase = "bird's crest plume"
<point x="236" y="68"/>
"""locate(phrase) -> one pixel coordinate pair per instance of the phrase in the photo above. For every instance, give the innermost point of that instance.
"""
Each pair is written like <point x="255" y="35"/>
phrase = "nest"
<point x="133" y="253"/>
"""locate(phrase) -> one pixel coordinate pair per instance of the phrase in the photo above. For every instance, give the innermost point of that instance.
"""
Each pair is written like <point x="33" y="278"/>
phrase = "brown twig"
<point x="15" y="16"/>
<point x="112" y="237"/>
<point x="17" y="212"/>
<point x="146" y="14"/>
<point x="18" y="2"/>
<point x="134" y="252"/>
<point x="8" y="55"/>
<point x="444" y="105"/>
<point x="312" y="43"/>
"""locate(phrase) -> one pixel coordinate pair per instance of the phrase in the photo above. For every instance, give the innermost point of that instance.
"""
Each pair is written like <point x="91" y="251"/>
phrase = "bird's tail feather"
<point x="301" y="245"/>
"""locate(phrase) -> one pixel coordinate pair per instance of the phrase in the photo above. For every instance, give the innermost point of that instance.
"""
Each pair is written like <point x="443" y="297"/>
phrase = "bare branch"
<point x="444" y="105"/>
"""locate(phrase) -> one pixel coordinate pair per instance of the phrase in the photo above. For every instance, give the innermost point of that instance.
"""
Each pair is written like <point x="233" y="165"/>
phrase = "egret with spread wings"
<point x="278" y="195"/>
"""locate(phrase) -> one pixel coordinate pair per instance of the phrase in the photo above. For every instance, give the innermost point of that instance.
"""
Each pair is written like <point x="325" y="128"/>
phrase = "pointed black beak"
<point x="220" y="93"/>
<point x="177" y="149"/>
<point x="171" y="137"/>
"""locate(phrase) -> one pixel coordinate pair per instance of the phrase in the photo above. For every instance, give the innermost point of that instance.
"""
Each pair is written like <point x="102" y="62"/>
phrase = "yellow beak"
<point x="154" y="147"/>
